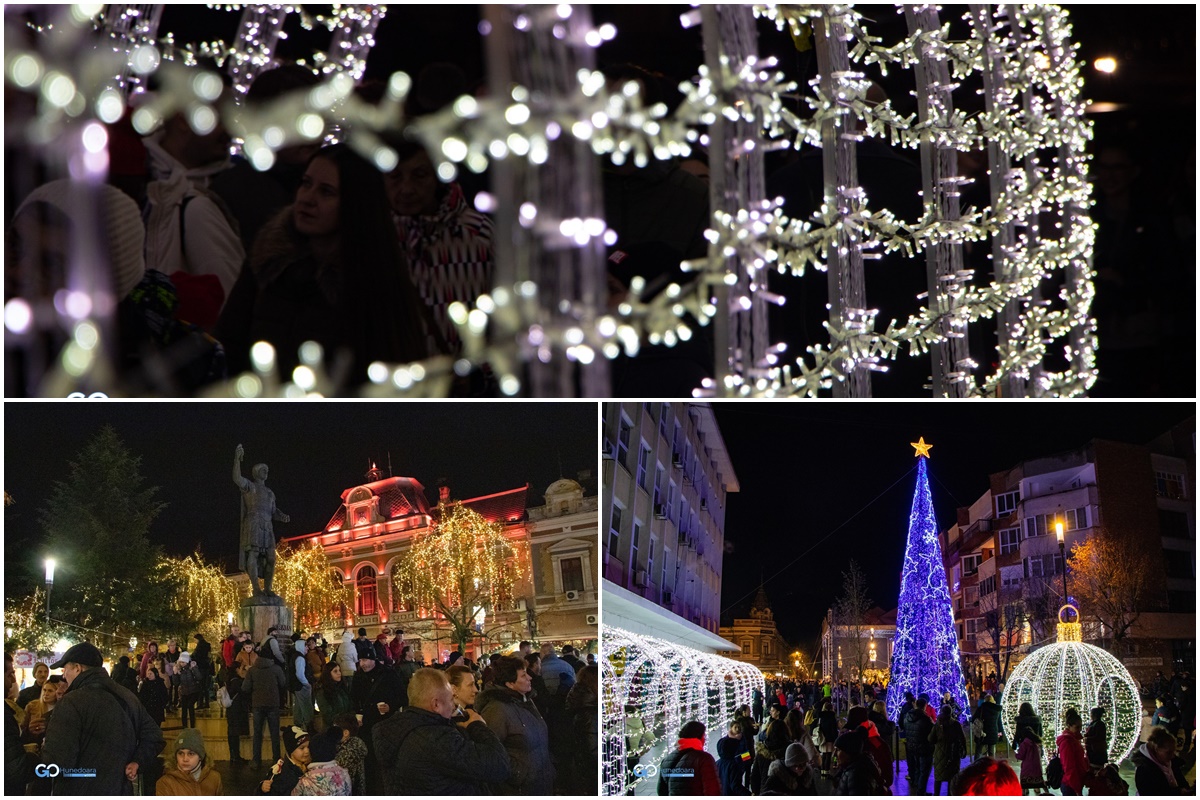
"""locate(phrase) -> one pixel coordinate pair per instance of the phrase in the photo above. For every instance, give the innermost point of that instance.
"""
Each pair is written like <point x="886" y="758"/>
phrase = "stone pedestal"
<point x="259" y="612"/>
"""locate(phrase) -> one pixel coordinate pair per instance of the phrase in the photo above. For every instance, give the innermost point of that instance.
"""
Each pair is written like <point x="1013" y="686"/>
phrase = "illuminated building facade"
<point x="842" y="646"/>
<point x="554" y="600"/>
<point x="758" y="639"/>
<point x="1002" y="555"/>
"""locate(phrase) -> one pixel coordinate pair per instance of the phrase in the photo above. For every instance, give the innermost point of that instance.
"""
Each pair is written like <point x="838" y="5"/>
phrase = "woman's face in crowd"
<point x="412" y="186"/>
<point x="49" y="692"/>
<point x="335" y="673"/>
<point x="464" y="691"/>
<point x="318" y="200"/>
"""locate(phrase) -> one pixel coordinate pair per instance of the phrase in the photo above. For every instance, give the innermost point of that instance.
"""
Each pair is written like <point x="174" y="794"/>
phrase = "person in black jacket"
<point x="287" y="772"/>
<point x="154" y="695"/>
<point x="733" y="759"/>
<point x="509" y="712"/>
<point x="375" y="694"/>
<point x="202" y="657"/>
<point x="917" y="727"/>
<point x="18" y="765"/>
<point x="98" y="725"/>
<point x="857" y="773"/>
<point x="1158" y="770"/>
<point x="237" y="716"/>
<point x="421" y="752"/>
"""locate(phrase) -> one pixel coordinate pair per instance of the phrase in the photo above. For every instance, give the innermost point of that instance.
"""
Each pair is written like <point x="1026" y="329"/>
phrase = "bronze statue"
<point x="258" y="539"/>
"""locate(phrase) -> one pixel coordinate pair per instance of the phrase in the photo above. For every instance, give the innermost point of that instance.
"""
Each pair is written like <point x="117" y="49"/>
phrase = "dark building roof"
<point x="506" y="506"/>
<point x="402" y="497"/>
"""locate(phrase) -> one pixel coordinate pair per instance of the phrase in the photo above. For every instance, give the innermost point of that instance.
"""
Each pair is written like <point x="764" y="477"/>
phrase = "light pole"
<point x="1062" y="549"/>
<point x="50" y="565"/>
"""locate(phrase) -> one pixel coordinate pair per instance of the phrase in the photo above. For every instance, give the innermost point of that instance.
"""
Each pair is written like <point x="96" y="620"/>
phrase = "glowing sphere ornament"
<point x="1070" y="674"/>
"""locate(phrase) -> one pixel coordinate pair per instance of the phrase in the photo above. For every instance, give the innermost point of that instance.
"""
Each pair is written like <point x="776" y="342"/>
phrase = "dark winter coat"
<point x="782" y="781"/>
<point x="694" y="772"/>
<point x="731" y="766"/>
<point x="1025" y="726"/>
<point x="380" y="685"/>
<point x="18" y="765"/>
<point x="100" y="725"/>
<point x="237" y="716"/>
<point x="917" y="728"/>
<point x="265" y="684"/>
<point x="1149" y="778"/>
<point x="283" y="783"/>
<point x="202" y="656"/>
<point x="949" y="747"/>
<point x="333" y="701"/>
<point x="1095" y="743"/>
<point x="827" y="722"/>
<point x="859" y="777"/>
<point x="518" y="725"/>
<point x="155" y="697"/>
<point x="989" y="713"/>
<point x="583" y="739"/>
<point x="423" y="753"/>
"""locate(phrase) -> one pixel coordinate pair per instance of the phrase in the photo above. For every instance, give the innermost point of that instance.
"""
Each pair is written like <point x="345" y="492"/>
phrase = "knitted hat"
<point x="185" y="657"/>
<point x="856" y="716"/>
<point x="795" y="755"/>
<point x="323" y="747"/>
<point x="119" y="220"/>
<point x="190" y="739"/>
<point x="293" y="737"/>
<point x="851" y="742"/>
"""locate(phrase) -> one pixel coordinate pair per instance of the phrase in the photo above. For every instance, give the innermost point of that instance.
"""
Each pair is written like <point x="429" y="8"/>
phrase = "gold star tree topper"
<point x="921" y="447"/>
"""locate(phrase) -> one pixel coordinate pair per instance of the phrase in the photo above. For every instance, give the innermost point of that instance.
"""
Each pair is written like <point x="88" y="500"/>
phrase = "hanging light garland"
<point x="1033" y="88"/>
<point x="306" y="581"/>
<point x="204" y="594"/>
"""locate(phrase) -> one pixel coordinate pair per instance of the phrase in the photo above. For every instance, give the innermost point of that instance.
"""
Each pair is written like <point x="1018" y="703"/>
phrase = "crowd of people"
<point x="802" y="746"/>
<point x="368" y="717"/>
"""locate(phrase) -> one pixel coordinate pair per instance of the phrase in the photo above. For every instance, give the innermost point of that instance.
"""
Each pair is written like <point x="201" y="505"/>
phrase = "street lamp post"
<point x="50" y="565"/>
<point x="1062" y="549"/>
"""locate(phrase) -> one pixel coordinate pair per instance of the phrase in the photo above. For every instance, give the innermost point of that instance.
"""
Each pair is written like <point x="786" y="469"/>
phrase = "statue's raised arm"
<point x="237" y="468"/>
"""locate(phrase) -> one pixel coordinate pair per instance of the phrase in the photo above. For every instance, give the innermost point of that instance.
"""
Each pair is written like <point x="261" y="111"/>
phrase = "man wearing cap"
<point x="97" y="726"/>
<point x="857" y="774"/>
<point x="375" y="694"/>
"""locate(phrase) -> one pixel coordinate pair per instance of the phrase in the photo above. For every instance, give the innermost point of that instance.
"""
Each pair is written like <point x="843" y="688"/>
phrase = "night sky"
<point x="804" y="470"/>
<point x="314" y="451"/>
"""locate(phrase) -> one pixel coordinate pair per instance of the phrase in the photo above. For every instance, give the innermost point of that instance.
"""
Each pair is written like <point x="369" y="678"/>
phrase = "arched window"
<point x="368" y="592"/>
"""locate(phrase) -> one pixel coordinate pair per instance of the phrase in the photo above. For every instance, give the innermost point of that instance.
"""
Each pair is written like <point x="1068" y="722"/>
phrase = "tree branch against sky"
<point x="850" y="613"/>
<point x="1108" y="575"/>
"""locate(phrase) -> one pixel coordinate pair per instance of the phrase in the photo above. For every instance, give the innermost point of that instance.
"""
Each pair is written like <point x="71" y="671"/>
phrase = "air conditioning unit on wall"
<point x="591" y="619"/>
<point x="572" y="595"/>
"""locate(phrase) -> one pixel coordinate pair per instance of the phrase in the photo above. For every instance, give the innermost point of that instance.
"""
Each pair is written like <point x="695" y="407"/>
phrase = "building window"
<point x="766" y="649"/>
<point x="368" y="592"/>
<point x="571" y="570"/>
<point x="650" y="562"/>
<point x="643" y="457"/>
<point x="658" y="484"/>
<point x="670" y="497"/>
<point x="1009" y="581"/>
<point x="623" y="442"/>
<point x="1178" y="564"/>
<point x="1075" y="519"/>
<point x="662" y="584"/>
<point x="1034" y="567"/>
<point x="633" y="551"/>
<point x="747" y="646"/>
<point x="971" y="564"/>
<point x="972" y="626"/>
<point x="1174" y="524"/>
<point x="1035" y="526"/>
<point x="987" y="586"/>
<point x="1010" y="540"/>
<point x="662" y="421"/>
<point x="614" y="531"/>
<point x="1007" y="503"/>
<point x="1169" y="485"/>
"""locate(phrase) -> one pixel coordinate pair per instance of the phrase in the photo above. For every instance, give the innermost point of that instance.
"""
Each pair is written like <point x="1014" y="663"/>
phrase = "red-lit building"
<point x="376" y="522"/>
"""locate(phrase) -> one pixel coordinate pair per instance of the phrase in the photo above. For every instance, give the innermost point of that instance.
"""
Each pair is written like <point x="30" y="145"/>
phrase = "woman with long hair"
<point x="328" y="269"/>
<point x="333" y="696"/>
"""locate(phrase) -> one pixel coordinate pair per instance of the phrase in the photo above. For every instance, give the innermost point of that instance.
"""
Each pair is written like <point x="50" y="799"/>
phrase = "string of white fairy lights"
<point x="1034" y="108"/>
<point x="663" y="685"/>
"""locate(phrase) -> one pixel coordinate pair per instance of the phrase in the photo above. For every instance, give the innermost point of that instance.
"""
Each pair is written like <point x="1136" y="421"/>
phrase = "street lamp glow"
<point x="62" y="646"/>
<point x="229" y="617"/>
<point x="1058" y="529"/>
<point x="1107" y="65"/>
<point x="50" y="565"/>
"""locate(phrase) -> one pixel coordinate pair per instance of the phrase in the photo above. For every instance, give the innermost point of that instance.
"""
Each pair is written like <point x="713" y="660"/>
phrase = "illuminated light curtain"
<point x="926" y="657"/>
<point x="353" y="39"/>
<point x="667" y="684"/>
<point x="253" y="51"/>
<point x="133" y="27"/>
<point x="1072" y="674"/>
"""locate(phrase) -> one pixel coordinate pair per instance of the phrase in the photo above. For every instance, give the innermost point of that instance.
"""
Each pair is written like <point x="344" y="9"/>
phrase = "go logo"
<point x="645" y="770"/>
<point x="47" y="770"/>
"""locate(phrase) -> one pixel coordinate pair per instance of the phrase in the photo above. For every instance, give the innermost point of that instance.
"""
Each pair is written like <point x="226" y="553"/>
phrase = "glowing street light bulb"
<point x="1107" y="65"/>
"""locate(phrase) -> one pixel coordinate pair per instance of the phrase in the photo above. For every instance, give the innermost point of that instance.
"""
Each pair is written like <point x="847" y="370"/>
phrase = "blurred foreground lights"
<point x="109" y="106"/>
<point x="248" y="386"/>
<point x="76" y="305"/>
<point x="25" y="71"/>
<point x="311" y="354"/>
<point x="509" y="385"/>
<point x="95" y="137"/>
<point x="378" y="373"/>
<point x="305" y="378"/>
<point x="485" y="203"/>
<point x="1107" y="65"/>
<point x="87" y="336"/>
<point x="262" y="354"/>
<point x="76" y="360"/>
<point x="402" y="378"/>
<point x="17" y="315"/>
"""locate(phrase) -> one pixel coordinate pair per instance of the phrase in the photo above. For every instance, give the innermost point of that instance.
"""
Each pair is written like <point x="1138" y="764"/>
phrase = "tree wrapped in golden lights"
<point x="308" y="585"/>
<point x="462" y="566"/>
<point x="204" y="595"/>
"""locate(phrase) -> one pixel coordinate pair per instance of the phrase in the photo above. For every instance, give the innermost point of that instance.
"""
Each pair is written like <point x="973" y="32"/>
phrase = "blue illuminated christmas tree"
<point x="925" y="658"/>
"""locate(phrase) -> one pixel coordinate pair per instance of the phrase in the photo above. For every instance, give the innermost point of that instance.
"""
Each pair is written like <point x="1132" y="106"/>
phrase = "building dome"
<point x="1070" y="674"/>
<point x="564" y="486"/>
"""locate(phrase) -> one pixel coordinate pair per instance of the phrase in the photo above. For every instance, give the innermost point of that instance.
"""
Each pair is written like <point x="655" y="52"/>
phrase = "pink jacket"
<point x="1030" y="756"/>
<point x="1074" y="760"/>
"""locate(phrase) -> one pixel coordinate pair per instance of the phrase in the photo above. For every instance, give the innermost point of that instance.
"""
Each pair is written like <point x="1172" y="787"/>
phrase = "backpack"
<point x="224" y="698"/>
<point x="1054" y="773"/>
<point x="294" y="684"/>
